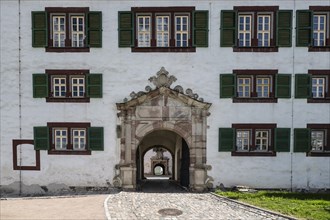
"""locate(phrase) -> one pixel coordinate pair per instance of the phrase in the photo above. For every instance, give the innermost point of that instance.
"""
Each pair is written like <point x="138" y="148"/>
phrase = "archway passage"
<point x="166" y="117"/>
<point x="162" y="162"/>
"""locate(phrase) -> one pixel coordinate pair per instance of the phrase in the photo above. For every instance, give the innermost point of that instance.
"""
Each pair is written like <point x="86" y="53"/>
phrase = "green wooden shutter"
<point x="125" y="29"/>
<point x="284" y="28"/>
<point x="40" y="85"/>
<point x="39" y="29"/>
<point x="226" y="139"/>
<point x="96" y="138"/>
<point x="283" y="86"/>
<point x="94" y="86"/>
<point x="228" y="28"/>
<point x="282" y="139"/>
<point x="94" y="28"/>
<point x="302" y="140"/>
<point x="303" y="28"/>
<point x="201" y="28"/>
<point x="41" y="138"/>
<point x="302" y="86"/>
<point x="227" y="85"/>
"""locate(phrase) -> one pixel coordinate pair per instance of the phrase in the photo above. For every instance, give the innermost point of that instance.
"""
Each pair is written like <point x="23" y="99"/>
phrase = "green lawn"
<point x="300" y="205"/>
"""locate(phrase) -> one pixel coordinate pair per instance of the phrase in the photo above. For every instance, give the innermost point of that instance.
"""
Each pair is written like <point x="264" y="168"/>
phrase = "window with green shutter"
<point x="94" y="25"/>
<point x="125" y="29"/>
<point x="41" y="138"/>
<point x="251" y="29"/>
<point x="283" y="86"/>
<point x="69" y="138"/>
<point x="40" y="85"/>
<point x="71" y="29"/>
<point x="228" y="28"/>
<point x="67" y="85"/>
<point x="302" y="86"/>
<point x="200" y="28"/>
<point x="227" y="85"/>
<point x="96" y="138"/>
<point x="94" y="85"/>
<point x="284" y="28"/>
<point x="39" y="29"/>
<point x="154" y="29"/>
<point x="303" y="28"/>
<point x="226" y="139"/>
<point x="282" y="139"/>
<point x="302" y="140"/>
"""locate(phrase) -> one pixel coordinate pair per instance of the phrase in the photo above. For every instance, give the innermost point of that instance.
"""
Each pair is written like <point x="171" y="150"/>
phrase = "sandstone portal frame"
<point x="168" y="117"/>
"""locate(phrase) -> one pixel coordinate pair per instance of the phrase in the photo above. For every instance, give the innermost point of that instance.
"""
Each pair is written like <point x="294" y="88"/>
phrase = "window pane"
<point x="244" y="31"/>
<point x="317" y="138"/>
<point x="181" y="31"/>
<point x="319" y="30"/>
<point x="144" y="31"/>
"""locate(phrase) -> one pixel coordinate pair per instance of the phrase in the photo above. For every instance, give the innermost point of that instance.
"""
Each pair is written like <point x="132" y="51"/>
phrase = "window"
<point x="256" y="29"/>
<point x="254" y="139"/>
<point x="67" y="85"/>
<point x="314" y="140"/>
<point x="313" y="28"/>
<point x="163" y="29"/>
<point x="66" y="29"/>
<point x="68" y="138"/>
<point x="255" y="86"/>
<point x="314" y="86"/>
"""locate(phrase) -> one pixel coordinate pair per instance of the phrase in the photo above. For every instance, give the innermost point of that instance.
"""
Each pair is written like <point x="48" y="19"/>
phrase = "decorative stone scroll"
<point x="162" y="79"/>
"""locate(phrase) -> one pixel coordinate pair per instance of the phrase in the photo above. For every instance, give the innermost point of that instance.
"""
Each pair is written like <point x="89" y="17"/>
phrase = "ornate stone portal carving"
<point x="162" y="79"/>
<point x="161" y="108"/>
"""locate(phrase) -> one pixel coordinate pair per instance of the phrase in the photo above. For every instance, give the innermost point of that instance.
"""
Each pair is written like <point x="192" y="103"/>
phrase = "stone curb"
<point x="106" y="208"/>
<point x="255" y="207"/>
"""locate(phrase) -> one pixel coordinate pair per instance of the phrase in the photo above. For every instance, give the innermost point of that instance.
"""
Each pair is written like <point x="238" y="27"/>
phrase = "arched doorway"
<point x="160" y="142"/>
<point x="168" y="117"/>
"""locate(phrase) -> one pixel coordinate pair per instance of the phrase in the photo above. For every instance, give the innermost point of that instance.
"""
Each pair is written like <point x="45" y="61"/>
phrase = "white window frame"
<point x="263" y="85"/>
<point x="318" y="140"/>
<point x="163" y="30"/>
<point x="318" y="31"/>
<point x="60" y="86"/>
<point x="264" y="41"/>
<point x="78" y="85"/>
<point x="62" y="137"/>
<point x="318" y="86"/>
<point x="243" y="140"/>
<point x="144" y="33"/>
<point x="58" y="34"/>
<point x="80" y="138"/>
<point x="263" y="138"/>
<point x="245" y="32"/>
<point x="246" y="86"/>
<point x="77" y="35"/>
<point x="180" y="31"/>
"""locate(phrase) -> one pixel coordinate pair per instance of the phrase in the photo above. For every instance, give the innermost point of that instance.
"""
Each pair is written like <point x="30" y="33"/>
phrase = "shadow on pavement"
<point x="160" y="186"/>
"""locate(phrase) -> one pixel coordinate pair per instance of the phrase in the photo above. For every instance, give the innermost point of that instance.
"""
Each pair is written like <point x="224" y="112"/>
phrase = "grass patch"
<point x="301" y="205"/>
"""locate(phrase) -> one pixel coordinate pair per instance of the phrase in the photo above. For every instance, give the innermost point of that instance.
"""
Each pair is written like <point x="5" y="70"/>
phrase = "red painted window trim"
<point x="254" y="73"/>
<point x="326" y="73"/>
<point x="67" y="73"/>
<point x="327" y="47"/>
<point x="168" y="10"/>
<point x="326" y="152"/>
<point x="254" y="41"/>
<point x="66" y="11"/>
<point x="69" y="126"/>
<point x="15" y="162"/>
<point x="270" y="153"/>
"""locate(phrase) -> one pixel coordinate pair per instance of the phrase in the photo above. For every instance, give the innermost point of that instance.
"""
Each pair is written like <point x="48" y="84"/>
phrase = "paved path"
<point x="150" y="204"/>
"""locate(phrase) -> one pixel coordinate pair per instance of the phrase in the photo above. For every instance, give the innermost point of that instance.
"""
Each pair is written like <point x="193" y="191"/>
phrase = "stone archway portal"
<point x="163" y="108"/>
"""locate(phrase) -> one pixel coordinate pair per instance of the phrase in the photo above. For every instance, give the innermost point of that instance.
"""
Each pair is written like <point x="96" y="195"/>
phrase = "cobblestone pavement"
<point x="179" y="205"/>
